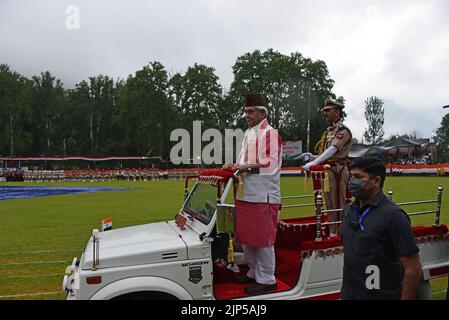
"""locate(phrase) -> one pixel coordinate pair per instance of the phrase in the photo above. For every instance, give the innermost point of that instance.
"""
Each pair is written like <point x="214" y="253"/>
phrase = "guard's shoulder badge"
<point x="343" y="127"/>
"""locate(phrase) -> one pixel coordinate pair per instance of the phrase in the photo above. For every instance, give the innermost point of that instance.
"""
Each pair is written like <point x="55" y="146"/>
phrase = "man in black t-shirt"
<point x="381" y="259"/>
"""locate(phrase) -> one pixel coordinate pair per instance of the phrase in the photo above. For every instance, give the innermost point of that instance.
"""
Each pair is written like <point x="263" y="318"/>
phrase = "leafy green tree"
<point x="93" y="109"/>
<point x="374" y="115"/>
<point x="292" y="84"/>
<point x="146" y="115"/>
<point x="15" y="112"/>
<point x="136" y="115"/>
<point x="47" y="103"/>
<point x="197" y="95"/>
<point x="265" y="72"/>
<point x="311" y="85"/>
<point x="442" y="140"/>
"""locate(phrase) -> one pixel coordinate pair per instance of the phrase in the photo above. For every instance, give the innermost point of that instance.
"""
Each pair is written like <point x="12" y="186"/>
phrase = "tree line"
<point x="373" y="134"/>
<point x="134" y="116"/>
<point x="100" y="116"/>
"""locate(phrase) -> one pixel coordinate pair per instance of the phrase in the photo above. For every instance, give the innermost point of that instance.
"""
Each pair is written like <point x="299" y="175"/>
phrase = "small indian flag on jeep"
<point x="106" y="224"/>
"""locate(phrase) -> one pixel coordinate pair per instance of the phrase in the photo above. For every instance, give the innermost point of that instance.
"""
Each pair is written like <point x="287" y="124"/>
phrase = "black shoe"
<point x="258" y="288"/>
<point x="244" y="279"/>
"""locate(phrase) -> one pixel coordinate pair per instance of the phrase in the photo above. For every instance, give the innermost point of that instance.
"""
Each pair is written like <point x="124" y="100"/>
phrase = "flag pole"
<point x="308" y="120"/>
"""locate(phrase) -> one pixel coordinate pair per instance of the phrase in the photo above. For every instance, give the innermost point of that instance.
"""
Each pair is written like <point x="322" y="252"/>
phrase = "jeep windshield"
<point x="202" y="202"/>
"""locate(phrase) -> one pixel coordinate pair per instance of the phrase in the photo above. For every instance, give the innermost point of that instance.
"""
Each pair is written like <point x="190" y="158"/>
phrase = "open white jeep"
<point x="190" y="258"/>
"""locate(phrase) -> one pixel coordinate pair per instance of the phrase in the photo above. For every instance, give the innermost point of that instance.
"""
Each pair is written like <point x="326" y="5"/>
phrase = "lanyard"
<point x="364" y="214"/>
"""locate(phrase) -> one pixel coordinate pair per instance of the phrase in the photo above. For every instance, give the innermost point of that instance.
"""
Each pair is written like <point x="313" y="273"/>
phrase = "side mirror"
<point x="226" y="218"/>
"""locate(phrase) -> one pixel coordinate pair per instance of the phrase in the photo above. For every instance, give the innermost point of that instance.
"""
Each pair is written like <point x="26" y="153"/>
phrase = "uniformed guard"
<point x="332" y="149"/>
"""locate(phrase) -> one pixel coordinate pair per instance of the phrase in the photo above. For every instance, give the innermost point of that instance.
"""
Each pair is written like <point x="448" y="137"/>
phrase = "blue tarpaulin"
<point x="19" y="192"/>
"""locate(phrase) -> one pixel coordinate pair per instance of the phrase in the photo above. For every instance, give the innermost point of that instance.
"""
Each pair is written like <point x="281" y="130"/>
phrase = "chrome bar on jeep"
<point x="390" y="194"/>
<point x="298" y="205"/>
<point x="320" y="211"/>
<point x="331" y="210"/>
<point x="417" y="202"/>
<point x="96" y="249"/>
<point x="319" y="205"/>
<point x="421" y="212"/>
<point x="298" y="197"/>
<point x="438" y="213"/>
<point x="437" y="201"/>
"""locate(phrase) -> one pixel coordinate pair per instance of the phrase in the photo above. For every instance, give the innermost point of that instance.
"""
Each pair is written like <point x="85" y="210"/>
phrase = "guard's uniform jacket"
<point x="335" y="170"/>
<point x="375" y="243"/>
<point x="340" y="137"/>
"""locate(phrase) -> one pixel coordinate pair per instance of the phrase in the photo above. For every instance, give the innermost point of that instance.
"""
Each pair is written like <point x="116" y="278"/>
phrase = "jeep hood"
<point x="137" y="245"/>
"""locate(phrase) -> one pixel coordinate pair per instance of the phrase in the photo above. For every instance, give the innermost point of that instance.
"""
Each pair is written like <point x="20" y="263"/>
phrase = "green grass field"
<point x="40" y="236"/>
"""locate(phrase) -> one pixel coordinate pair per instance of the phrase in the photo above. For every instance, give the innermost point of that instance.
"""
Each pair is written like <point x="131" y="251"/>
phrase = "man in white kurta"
<point x="259" y="162"/>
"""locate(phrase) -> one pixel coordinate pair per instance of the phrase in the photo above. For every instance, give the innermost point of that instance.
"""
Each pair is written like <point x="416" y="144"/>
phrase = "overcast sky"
<point x="396" y="50"/>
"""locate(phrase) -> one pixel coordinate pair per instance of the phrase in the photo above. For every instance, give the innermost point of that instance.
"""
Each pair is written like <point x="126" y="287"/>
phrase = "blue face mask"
<point x="355" y="187"/>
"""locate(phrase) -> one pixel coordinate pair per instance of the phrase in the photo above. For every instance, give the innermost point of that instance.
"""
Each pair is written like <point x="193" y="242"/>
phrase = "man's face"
<point x="331" y="115"/>
<point x="370" y="184"/>
<point x="253" y="116"/>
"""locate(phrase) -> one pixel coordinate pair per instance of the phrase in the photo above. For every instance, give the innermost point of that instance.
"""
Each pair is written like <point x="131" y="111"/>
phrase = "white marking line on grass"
<point x="37" y="262"/>
<point x="37" y="251"/>
<point x="29" y="294"/>
<point x="34" y="276"/>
